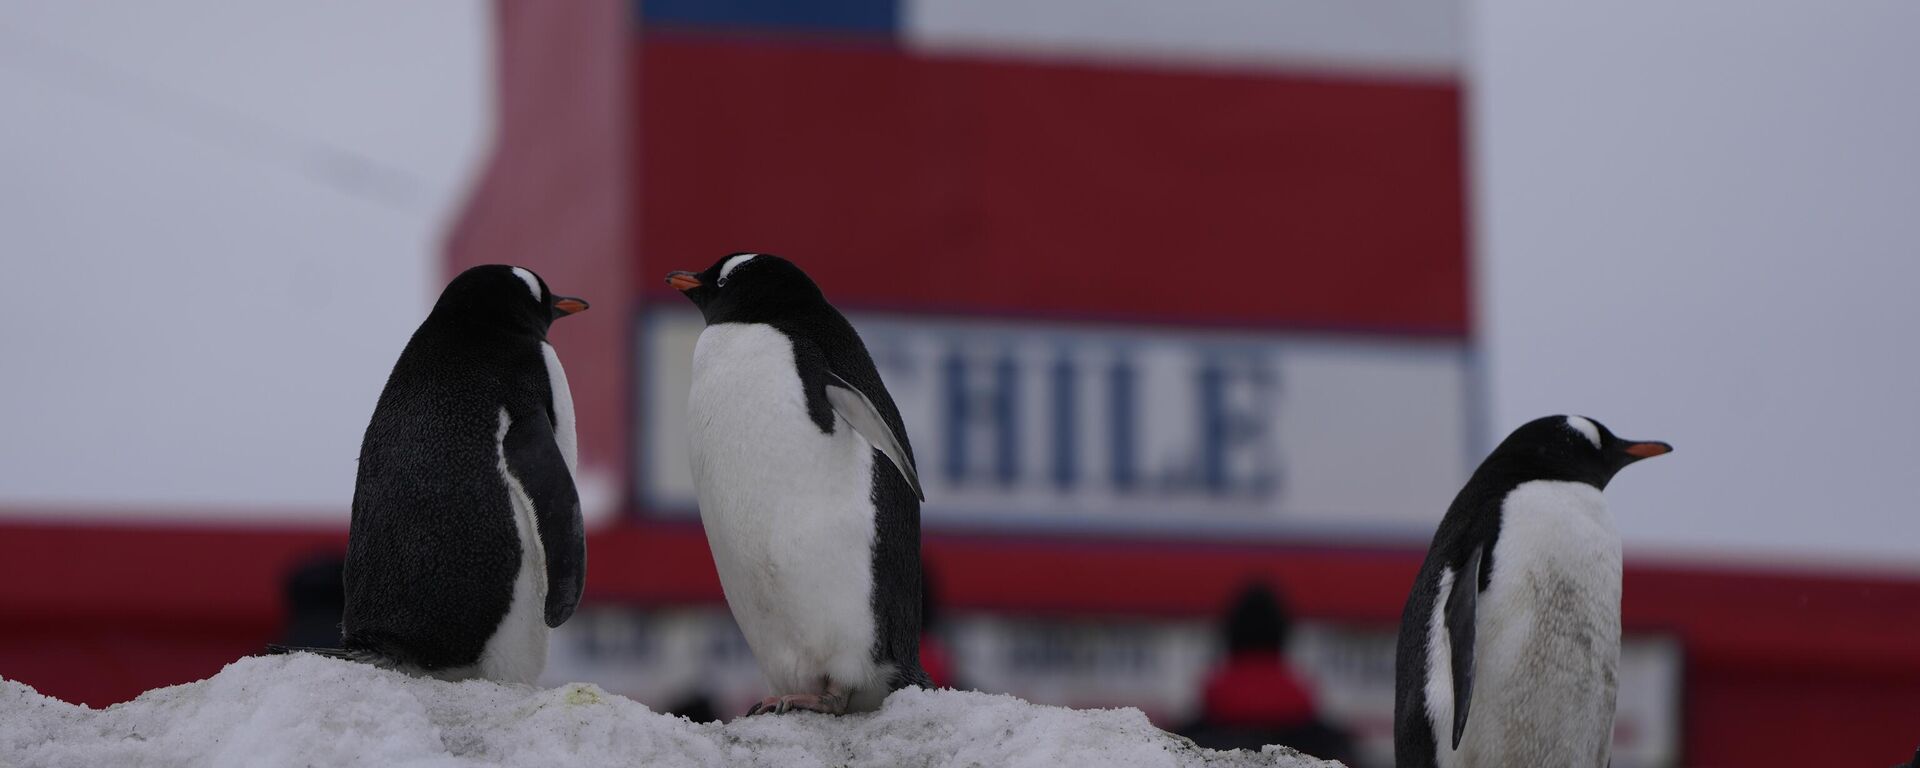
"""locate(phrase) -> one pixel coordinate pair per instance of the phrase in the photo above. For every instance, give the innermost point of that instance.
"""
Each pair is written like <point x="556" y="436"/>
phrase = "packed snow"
<point x="307" y="710"/>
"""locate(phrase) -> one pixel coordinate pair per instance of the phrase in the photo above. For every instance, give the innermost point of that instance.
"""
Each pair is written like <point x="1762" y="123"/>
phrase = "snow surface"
<point x="308" y="710"/>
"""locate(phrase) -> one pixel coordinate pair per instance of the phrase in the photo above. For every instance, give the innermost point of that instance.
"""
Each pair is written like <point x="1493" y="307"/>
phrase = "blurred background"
<point x="1198" y="313"/>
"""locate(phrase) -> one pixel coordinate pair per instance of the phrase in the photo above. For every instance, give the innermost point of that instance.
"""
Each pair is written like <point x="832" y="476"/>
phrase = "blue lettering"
<point x="1006" y="408"/>
<point x="969" y="408"/>
<point x="1230" y="426"/>
<point x="1066" y="465"/>
<point x="1120" y="394"/>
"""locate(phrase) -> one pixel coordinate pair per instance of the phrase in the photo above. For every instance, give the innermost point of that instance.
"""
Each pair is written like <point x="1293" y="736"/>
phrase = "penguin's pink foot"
<point x="829" y="703"/>
<point x="769" y="704"/>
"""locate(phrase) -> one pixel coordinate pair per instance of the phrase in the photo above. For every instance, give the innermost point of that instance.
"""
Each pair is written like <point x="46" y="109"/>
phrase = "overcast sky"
<point x="1695" y="222"/>
<point x="1698" y="222"/>
<point x="210" y="210"/>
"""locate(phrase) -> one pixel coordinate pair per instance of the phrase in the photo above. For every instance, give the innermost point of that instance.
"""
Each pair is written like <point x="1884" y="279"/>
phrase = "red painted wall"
<point x="553" y="196"/>
<point x="942" y="184"/>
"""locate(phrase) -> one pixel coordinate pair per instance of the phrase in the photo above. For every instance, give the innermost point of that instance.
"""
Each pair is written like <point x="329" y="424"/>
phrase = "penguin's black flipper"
<point x="535" y="460"/>
<point x="860" y="412"/>
<point x="1460" y="607"/>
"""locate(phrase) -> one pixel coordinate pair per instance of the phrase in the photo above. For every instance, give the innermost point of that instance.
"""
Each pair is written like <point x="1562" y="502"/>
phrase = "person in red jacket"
<point x="1253" y="696"/>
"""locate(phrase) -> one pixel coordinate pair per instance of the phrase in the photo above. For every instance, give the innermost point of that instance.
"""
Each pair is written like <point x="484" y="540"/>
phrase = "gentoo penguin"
<point x="467" y="543"/>
<point x="807" y="488"/>
<point x="1511" y="635"/>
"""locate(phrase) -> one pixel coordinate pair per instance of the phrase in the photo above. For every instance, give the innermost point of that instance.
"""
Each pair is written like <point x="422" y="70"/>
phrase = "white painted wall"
<point x="219" y="222"/>
<point x="1698" y="222"/>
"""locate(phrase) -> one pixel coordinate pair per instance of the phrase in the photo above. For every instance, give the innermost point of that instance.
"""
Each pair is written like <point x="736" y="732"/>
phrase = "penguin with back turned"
<point x="1510" y="639"/>
<point x="467" y="543"/>
<point x="807" y="488"/>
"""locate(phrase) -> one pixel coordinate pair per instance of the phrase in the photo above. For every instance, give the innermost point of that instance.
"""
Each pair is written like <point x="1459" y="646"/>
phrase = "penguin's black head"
<point x="499" y="294"/>
<point x="1570" y="448"/>
<point x="746" y="288"/>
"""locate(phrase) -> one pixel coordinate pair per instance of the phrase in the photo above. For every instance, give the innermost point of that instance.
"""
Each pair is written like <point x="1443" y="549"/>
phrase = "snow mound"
<point x="308" y="710"/>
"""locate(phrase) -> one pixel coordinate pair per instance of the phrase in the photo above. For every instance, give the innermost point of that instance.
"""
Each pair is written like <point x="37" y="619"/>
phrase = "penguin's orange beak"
<point x="683" y="281"/>
<point x="567" y="305"/>
<point x="1647" y="450"/>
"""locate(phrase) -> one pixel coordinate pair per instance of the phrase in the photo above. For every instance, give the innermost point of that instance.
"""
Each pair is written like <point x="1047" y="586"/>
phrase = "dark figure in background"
<point x="314" y="597"/>
<point x="1254" y="697"/>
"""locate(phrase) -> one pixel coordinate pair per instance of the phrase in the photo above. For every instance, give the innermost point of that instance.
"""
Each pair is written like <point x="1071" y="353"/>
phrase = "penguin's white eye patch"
<point x="533" y="283"/>
<point x="733" y="264"/>
<point x="1586" y="429"/>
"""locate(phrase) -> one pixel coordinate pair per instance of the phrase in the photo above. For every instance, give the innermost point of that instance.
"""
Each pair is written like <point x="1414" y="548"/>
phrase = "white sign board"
<point x="1056" y="424"/>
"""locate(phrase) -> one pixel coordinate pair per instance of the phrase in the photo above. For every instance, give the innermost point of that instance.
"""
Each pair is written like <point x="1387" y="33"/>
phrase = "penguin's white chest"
<point x="563" y="422"/>
<point x="788" y="511"/>
<point x="1547" y="633"/>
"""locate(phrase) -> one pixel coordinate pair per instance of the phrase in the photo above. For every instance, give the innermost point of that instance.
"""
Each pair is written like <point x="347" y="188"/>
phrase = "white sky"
<point x="1698" y="223"/>
<point x="208" y="210"/>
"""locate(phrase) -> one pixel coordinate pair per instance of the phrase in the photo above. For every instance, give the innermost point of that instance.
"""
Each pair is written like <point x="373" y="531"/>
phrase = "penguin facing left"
<point x="1510" y="640"/>
<point x="467" y="542"/>
<point x="807" y="488"/>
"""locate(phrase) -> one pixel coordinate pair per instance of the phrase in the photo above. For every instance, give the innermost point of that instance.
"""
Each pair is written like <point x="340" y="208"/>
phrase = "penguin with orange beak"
<point x="807" y="488"/>
<point x="467" y="544"/>
<point x="1510" y="640"/>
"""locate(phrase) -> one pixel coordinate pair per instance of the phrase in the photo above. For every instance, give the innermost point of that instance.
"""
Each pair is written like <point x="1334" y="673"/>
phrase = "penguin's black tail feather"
<point x="910" y="674"/>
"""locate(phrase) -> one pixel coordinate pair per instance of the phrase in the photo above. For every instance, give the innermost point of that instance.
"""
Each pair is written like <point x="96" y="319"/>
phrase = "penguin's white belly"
<point x="517" y="651"/>
<point x="787" y="510"/>
<point x="1547" y="634"/>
